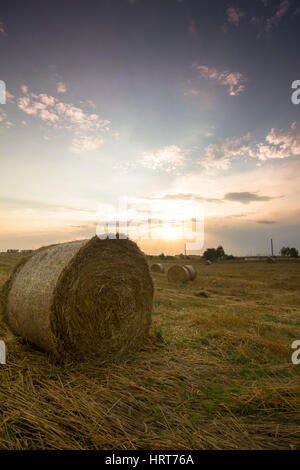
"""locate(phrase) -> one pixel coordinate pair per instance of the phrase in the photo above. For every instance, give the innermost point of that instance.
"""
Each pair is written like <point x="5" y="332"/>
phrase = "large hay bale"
<point x="270" y="259"/>
<point x="80" y="299"/>
<point x="178" y="273"/>
<point x="192" y="271"/>
<point x="208" y="262"/>
<point x="158" y="268"/>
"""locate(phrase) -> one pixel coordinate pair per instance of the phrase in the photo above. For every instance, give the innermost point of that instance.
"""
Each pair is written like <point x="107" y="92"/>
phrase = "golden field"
<point x="216" y="372"/>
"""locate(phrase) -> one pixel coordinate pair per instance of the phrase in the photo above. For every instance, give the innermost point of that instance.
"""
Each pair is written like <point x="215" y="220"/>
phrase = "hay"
<point x="80" y="299"/>
<point x="178" y="273"/>
<point x="192" y="271"/>
<point x="158" y="268"/>
<point x="270" y="260"/>
<point x="208" y="262"/>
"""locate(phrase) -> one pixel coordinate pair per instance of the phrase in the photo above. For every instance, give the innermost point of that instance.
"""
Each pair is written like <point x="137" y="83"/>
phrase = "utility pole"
<point x="272" y="251"/>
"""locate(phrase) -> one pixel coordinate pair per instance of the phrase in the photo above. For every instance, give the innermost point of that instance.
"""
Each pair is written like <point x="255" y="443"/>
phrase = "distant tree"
<point x="220" y="252"/>
<point x="285" y="251"/>
<point x="210" y="254"/>
<point x="162" y="256"/>
<point x="294" y="253"/>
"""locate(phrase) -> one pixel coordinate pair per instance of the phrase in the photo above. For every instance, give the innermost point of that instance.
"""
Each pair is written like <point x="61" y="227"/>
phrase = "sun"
<point x="171" y="232"/>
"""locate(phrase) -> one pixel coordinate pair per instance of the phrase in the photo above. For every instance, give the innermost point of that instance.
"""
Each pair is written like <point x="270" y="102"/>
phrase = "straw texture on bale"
<point x="158" y="268"/>
<point x="83" y="298"/>
<point x="178" y="273"/>
<point x="192" y="271"/>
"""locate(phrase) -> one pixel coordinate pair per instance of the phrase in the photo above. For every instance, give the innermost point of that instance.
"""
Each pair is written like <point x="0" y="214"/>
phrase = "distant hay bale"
<point x="178" y="273"/>
<point x="208" y="262"/>
<point x="81" y="299"/>
<point x="158" y="268"/>
<point x="270" y="259"/>
<point x="192" y="271"/>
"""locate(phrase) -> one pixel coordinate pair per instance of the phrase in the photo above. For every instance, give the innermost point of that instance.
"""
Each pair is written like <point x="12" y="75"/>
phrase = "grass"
<point x="216" y="372"/>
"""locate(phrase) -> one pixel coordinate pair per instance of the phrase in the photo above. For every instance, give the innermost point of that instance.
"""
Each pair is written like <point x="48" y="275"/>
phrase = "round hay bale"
<point x="208" y="262"/>
<point x="158" y="268"/>
<point x="82" y="298"/>
<point x="178" y="273"/>
<point x="270" y="259"/>
<point x="192" y="271"/>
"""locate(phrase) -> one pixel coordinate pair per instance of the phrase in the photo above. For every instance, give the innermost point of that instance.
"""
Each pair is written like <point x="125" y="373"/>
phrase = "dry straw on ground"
<point x="158" y="268"/>
<point x="80" y="299"/>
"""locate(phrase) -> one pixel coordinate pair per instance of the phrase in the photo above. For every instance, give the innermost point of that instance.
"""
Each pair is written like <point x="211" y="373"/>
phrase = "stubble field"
<point x="216" y="372"/>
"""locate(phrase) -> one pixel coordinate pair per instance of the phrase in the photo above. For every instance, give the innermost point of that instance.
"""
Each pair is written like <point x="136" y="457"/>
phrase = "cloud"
<point x="280" y="143"/>
<point x="170" y="159"/>
<point x="234" y="15"/>
<point x="61" y="87"/>
<point x="234" y="81"/>
<point x="10" y="97"/>
<point x="185" y="197"/>
<point x="65" y="116"/>
<point x="266" y="25"/>
<point x="245" y="197"/>
<point x="85" y="143"/>
<point x="266" y="222"/>
<point x="276" y="18"/>
<point x="4" y="121"/>
<point x="24" y="88"/>
<point x="2" y="29"/>
<point x="220" y="155"/>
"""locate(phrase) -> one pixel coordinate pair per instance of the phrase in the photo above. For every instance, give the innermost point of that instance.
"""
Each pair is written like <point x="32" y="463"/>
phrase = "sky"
<point x="180" y="108"/>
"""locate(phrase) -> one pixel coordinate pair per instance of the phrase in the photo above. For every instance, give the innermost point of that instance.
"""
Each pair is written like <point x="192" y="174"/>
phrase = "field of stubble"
<point x="215" y="374"/>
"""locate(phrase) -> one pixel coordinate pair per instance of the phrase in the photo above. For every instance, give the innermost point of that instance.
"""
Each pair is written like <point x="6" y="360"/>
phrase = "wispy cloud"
<point x="220" y="155"/>
<point x="280" y="143"/>
<point x="4" y="121"/>
<point x="170" y="159"/>
<point x="85" y="143"/>
<point x="234" y="15"/>
<point x="24" y="88"/>
<point x="10" y="98"/>
<point x="2" y="29"/>
<point x="245" y="197"/>
<point x="65" y="116"/>
<point x="267" y="24"/>
<point x="61" y="87"/>
<point x="185" y="197"/>
<point x="266" y="222"/>
<point x="274" y="20"/>
<point x="234" y="81"/>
